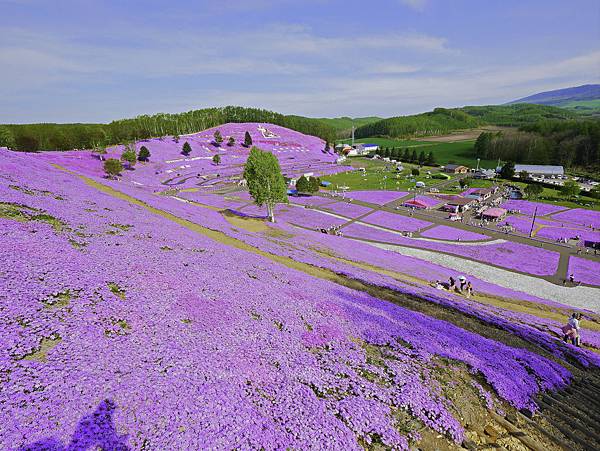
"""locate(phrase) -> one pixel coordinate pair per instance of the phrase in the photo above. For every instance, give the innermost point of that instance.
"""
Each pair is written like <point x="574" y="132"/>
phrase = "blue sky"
<point x="84" y="60"/>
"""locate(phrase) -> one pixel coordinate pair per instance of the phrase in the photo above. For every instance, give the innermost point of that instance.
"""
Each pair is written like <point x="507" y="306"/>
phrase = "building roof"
<point x="460" y="201"/>
<point x="454" y="166"/>
<point x="539" y="169"/>
<point x="494" y="212"/>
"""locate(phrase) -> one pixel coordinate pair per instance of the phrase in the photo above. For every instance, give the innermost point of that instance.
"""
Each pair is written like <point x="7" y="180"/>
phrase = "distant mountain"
<point x="583" y="99"/>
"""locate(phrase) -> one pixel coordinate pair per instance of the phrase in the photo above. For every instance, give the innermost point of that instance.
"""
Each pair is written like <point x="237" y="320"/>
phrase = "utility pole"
<point x="533" y="222"/>
<point x="352" y="132"/>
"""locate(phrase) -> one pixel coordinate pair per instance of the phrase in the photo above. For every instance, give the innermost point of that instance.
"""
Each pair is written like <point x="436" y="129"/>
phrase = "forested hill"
<point x="32" y="137"/>
<point x="343" y="125"/>
<point x="438" y="121"/>
<point x="518" y="115"/>
<point x="444" y="120"/>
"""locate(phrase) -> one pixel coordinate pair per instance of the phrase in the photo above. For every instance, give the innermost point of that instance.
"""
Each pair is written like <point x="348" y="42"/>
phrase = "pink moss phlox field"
<point x="588" y="218"/>
<point x="508" y="254"/>
<point x="122" y="328"/>
<point x="586" y="271"/>
<point x="453" y="234"/>
<point x="346" y="209"/>
<point x="395" y="221"/>
<point x="528" y="208"/>
<point x="376" y="197"/>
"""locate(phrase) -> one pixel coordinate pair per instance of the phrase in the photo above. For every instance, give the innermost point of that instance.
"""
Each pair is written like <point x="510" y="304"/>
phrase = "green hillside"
<point x="343" y="125"/>
<point x="438" y="121"/>
<point x="32" y="137"/>
<point x="443" y="120"/>
<point x="519" y="114"/>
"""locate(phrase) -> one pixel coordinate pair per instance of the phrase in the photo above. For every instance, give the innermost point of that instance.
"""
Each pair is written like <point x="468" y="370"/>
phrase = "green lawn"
<point x="376" y="177"/>
<point x="385" y="142"/>
<point x="460" y="152"/>
<point x="554" y="197"/>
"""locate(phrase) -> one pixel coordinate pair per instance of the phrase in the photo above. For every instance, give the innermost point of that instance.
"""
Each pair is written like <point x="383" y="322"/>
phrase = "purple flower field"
<point x="453" y="234"/>
<point x="107" y="292"/>
<point x="527" y="207"/>
<point x="152" y="323"/>
<point x="347" y="209"/>
<point x="588" y="218"/>
<point x="585" y="271"/>
<point x="396" y="222"/>
<point x="376" y="197"/>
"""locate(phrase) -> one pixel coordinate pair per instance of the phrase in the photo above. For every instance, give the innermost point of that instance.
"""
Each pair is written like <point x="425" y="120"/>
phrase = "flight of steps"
<point x="575" y="411"/>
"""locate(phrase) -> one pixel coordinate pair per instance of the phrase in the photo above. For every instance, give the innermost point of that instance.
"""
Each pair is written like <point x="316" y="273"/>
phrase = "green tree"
<point x="508" y="170"/>
<point x="265" y="181"/>
<point x="533" y="190"/>
<point x="144" y="154"/>
<point x="303" y="185"/>
<point x="7" y="138"/>
<point x="315" y="184"/>
<point x="595" y="193"/>
<point x="414" y="157"/>
<point x="218" y="139"/>
<point x="113" y="167"/>
<point x="523" y="175"/>
<point x="231" y="141"/>
<point x="129" y="157"/>
<point x="186" y="149"/>
<point x="415" y="172"/>
<point x="430" y="160"/>
<point x="247" y="139"/>
<point x="465" y="181"/>
<point x="326" y="149"/>
<point x="482" y="144"/>
<point x="422" y="157"/>
<point x="406" y="155"/>
<point x="216" y="159"/>
<point x="570" y="188"/>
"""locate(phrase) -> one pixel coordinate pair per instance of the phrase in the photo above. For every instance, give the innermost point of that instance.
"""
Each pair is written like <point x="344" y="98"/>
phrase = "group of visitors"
<point x="333" y="230"/>
<point x="571" y="330"/>
<point x="460" y="285"/>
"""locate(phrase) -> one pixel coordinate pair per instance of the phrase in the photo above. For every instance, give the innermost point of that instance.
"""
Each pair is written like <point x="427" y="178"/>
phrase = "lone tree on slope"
<point x="129" y="157"/>
<point x="247" y="139"/>
<point x="144" y="154"/>
<point x="186" y="149"/>
<point x="218" y="138"/>
<point x="112" y="167"/>
<point x="216" y="159"/>
<point x="231" y="141"/>
<point x="265" y="181"/>
<point x="303" y="185"/>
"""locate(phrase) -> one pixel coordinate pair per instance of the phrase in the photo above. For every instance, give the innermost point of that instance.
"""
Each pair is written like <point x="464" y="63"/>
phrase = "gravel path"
<point x="581" y="297"/>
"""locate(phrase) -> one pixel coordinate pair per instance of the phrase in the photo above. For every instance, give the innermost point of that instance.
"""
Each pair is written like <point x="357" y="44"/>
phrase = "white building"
<point x="540" y="170"/>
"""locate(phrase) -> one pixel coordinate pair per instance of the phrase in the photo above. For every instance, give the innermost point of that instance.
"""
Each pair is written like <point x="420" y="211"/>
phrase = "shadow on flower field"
<point x="94" y="431"/>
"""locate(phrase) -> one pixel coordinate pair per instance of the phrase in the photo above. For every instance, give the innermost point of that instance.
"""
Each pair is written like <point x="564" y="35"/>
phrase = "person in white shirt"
<point x="571" y="330"/>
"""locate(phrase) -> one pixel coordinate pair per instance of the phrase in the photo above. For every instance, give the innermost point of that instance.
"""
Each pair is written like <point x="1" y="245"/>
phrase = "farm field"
<point x="214" y="328"/>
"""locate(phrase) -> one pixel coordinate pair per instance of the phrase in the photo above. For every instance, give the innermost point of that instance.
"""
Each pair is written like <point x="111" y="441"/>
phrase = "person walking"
<point x="469" y="289"/>
<point x="571" y="330"/>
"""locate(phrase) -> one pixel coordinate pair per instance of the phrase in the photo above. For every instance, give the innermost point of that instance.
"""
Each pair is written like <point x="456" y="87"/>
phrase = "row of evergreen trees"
<point x="567" y="143"/>
<point x="407" y="155"/>
<point x="33" y="137"/>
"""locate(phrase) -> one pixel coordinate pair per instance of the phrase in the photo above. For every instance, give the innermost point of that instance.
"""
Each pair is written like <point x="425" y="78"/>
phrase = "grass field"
<point x="460" y="152"/>
<point x="377" y="177"/>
